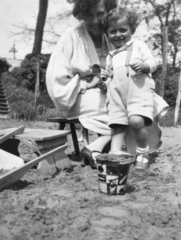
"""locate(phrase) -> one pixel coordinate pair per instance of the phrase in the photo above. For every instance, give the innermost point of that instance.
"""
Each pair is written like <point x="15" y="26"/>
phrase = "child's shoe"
<point x="142" y="161"/>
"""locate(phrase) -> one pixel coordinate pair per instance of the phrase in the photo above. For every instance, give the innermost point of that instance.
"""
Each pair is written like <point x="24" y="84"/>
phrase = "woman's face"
<point x="95" y="19"/>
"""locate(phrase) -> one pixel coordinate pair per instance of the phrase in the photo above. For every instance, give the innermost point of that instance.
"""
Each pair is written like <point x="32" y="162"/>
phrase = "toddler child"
<point x="130" y="95"/>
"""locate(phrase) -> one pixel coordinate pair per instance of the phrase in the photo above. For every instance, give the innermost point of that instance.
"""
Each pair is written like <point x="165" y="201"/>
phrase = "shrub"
<point x="168" y="119"/>
<point x="25" y="75"/>
<point x="19" y="85"/>
<point x="170" y="85"/>
<point x="22" y="101"/>
<point x="4" y="65"/>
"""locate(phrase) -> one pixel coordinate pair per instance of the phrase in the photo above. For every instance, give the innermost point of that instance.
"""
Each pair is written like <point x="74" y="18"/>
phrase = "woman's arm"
<point x="63" y="84"/>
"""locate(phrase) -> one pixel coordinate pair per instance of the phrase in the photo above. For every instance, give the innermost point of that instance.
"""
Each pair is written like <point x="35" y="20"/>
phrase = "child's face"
<point x="119" y="32"/>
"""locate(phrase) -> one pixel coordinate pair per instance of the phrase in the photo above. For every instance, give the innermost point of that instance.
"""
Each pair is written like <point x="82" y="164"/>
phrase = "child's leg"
<point x="137" y="124"/>
<point x="117" y="141"/>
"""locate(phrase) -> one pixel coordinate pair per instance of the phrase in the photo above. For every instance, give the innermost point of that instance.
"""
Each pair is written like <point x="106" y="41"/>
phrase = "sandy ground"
<point x="70" y="206"/>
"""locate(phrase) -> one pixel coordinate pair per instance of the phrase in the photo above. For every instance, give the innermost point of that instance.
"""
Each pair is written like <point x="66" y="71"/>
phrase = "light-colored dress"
<point x="74" y="56"/>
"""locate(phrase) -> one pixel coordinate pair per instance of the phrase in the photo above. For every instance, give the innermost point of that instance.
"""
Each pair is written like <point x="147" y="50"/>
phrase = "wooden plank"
<point x="9" y="161"/>
<point x="12" y="133"/>
<point x="3" y="100"/>
<point x="61" y="160"/>
<point x="39" y="134"/>
<point x="62" y="120"/>
<point x="4" y="108"/>
<point x="4" y="111"/>
<point x="47" y="166"/>
<point x="14" y="175"/>
<point x="58" y="160"/>
<point x="51" y="143"/>
<point x="4" y="104"/>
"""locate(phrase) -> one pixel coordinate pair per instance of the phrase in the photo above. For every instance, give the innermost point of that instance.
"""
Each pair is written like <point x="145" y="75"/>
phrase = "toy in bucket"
<point x="113" y="172"/>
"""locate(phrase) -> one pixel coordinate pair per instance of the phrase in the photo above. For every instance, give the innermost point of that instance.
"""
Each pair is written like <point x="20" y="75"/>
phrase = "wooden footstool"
<point x="62" y="122"/>
<point x="42" y="141"/>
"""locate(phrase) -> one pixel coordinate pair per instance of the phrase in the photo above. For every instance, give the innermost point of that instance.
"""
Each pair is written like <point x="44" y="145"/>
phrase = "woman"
<point x="70" y="81"/>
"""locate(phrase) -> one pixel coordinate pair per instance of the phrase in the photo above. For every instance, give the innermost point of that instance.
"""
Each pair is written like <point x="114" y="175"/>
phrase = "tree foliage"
<point x="171" y="83"/>
<point x="4" y="65"/>
<point x="25" y="75"/>
<point x="154" y="13"/>
<point x="157" y="14"/>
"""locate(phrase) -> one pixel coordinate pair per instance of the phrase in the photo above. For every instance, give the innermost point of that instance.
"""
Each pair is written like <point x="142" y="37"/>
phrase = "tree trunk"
<point x="164" y="61"/>
<point x="174" y="56"/>
<point x="37" y="83"/>
<point x="43" y="6"/>
<point x="177" y="107"/>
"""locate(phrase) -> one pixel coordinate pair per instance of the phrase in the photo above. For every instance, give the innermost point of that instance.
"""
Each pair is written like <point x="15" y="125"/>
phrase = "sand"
<point x="69" y="205"/>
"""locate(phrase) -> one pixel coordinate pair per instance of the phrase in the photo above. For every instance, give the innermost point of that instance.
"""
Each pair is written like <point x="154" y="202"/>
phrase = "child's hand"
<point x="140" y="67"/>
<point x="93" y="83"/>
<point x="104" y="74"/>
<point x="102" y="86"/>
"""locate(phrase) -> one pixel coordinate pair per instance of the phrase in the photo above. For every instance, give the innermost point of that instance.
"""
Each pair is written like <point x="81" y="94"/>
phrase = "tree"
<point x="175" y="33"/>
<point x="167" y="16"/>
<point x="43" y="7"/>
<point x="60" y="17"/>
<point x="158" y="14"/>
<point x="167" y="13"/>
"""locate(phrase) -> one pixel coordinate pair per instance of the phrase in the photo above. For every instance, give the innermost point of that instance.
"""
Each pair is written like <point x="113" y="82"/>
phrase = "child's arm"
<point x="146" y="62"/>
<point x="140" y="67"/>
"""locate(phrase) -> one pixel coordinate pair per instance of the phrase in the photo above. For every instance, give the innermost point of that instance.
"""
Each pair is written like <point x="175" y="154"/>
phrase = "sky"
<point x="15" y="12"/>
<point x="20" y="12"/>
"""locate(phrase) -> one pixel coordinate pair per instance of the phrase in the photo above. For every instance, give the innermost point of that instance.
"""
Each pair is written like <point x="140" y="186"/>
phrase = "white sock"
<point x="120" y="153"/>
<point x="142" y="150"/>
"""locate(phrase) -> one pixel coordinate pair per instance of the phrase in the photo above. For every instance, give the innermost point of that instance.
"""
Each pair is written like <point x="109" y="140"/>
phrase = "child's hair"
<point x="119" y="12"/>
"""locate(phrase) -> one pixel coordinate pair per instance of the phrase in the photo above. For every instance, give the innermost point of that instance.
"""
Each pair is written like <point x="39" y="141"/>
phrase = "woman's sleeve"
<point x="109" y="67"/>
<point x="63" y="83"/>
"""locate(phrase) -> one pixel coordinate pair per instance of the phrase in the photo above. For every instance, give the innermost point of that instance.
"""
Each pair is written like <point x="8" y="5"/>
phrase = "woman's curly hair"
<point x="82" y="7"/>
<point x="130" y="14"/>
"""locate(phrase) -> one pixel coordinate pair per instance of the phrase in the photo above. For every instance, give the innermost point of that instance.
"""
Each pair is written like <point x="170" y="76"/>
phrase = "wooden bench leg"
<point x="85" y="136"/>
<point x="74" y="138"/>
<point x="62" y="126"/>
<point x="57" y="161"/>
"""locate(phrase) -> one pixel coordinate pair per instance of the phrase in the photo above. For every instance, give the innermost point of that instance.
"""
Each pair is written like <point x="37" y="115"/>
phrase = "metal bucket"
<point x="113" y="172"/>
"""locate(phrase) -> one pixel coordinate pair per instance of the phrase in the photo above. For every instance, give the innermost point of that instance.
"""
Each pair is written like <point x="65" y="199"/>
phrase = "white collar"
<point x="125" y="46"/>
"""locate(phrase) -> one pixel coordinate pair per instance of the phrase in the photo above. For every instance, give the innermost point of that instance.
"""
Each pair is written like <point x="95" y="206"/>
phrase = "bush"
<point x="4" y="65"/>
<point x="168" y="119"/>
<point x="22" y="101"/>
<point x="25" y="75"/>
<point x="171" y="84"/>
<point x="19" y="85"/>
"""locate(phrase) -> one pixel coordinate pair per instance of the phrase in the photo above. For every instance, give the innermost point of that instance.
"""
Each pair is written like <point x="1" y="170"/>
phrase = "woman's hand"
<point x="102" y="86"/>
<point x="93" y="83"/>
<point x="104" y="74"/>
